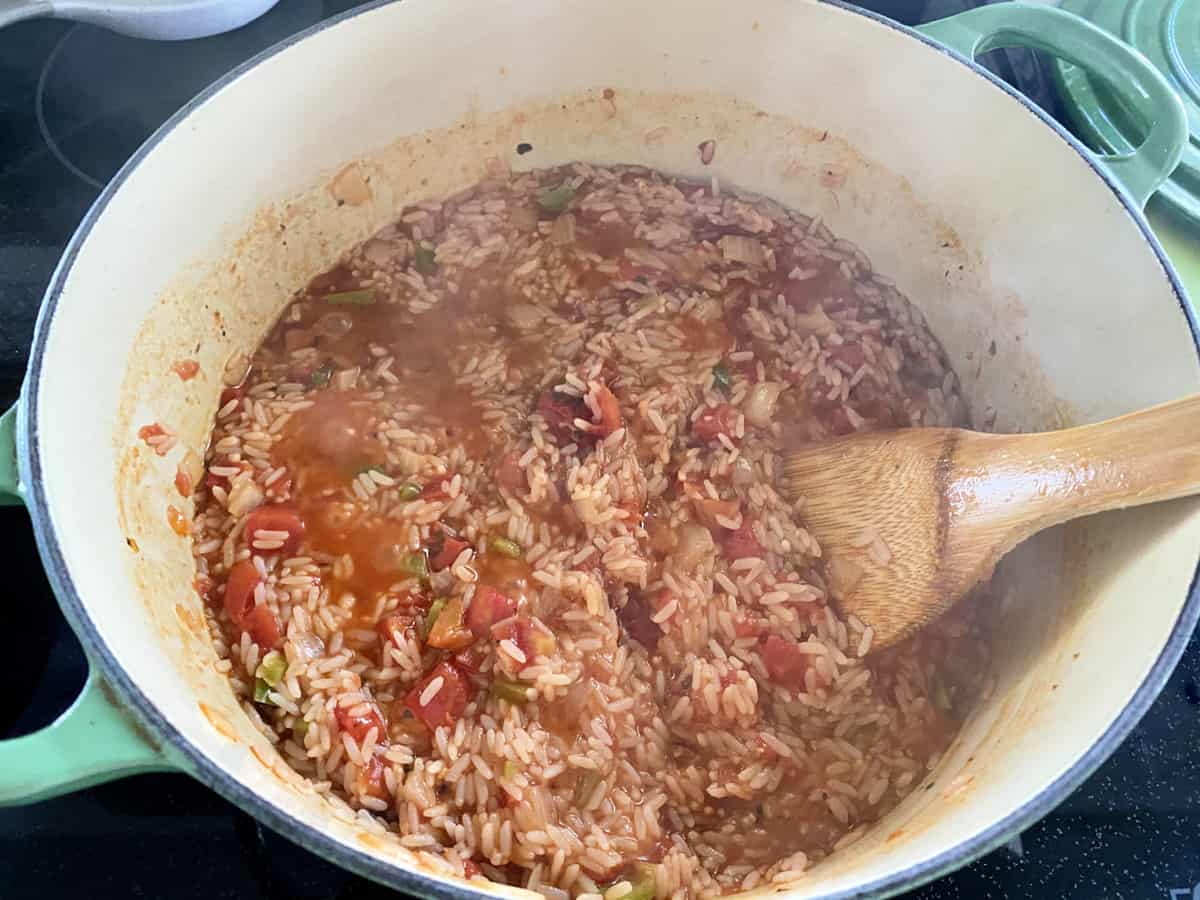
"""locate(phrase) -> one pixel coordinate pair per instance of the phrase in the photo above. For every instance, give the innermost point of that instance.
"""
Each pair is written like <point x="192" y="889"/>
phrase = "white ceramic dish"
<point x="1029" y="257"/>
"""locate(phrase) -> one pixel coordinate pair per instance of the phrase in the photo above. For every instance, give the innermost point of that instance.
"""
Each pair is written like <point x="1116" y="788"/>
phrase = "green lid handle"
<point x="94" y="740"/>
<point x="1127" y="72"/>
<point x="11" y="492"/>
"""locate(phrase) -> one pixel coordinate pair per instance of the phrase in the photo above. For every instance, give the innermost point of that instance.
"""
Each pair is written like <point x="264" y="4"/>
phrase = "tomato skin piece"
<point x="371" y="777"/>
<point x="264" y="627"/>
<point x="786" y="663"/>
<point x="716" y="420"/>
<point x="243" y="578"/>
<point x="509" y="473"/>
<point x="358" y="725"/>
<point x="742" y="542"/>
<point x="276" y="517"/>
<point x="531" y="637"/>
<point x="488" y="607"/>
<point x="445" y="557"/>
<point x="610" y="412"/>
<point x="451" y="700"/>
<point x="449" y="631"/>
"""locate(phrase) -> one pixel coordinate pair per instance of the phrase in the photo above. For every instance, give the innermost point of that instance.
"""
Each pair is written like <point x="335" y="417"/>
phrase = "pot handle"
<point x="1067" y="36"/>
<point x="94" y="740"/>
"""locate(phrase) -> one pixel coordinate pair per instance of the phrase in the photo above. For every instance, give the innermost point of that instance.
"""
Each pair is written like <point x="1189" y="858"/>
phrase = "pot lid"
<point x="1167" y="32"/>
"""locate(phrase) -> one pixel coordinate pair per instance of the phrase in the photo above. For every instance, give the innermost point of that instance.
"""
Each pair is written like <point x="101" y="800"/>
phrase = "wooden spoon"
<point x="910" y="520"/>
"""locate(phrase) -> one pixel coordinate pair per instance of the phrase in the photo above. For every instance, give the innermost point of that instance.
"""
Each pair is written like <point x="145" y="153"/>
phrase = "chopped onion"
<point x="333" y="325"/>
<point x="524" y="316"/>
<point x="739" y="248"/>
<point x="743" y="472"/>
<point x="562" y="232"/>
<point x="381" y="252"/>
<point x="345" y="379"/>
<point x="816" y="321"/>
<point x="308" y="646"/>
<point x="761" y="402"/>
<point x="244" y="496"/>
<point x="524" y="218"/>
<point x="695" y="546"/>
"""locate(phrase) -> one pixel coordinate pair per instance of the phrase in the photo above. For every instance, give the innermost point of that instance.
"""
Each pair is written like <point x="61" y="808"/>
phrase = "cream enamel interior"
<point x="995" y="227"/>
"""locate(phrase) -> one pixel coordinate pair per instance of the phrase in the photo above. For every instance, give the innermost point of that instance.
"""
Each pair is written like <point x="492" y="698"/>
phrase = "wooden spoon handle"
<point x="1045" y="479"/>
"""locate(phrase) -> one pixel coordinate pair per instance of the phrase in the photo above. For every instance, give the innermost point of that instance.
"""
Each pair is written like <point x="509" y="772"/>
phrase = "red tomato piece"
<point x="264" y="627"/>
<point x="509" y="473"/>
<point x="372" y="778"/>
<point x="447" y="706"/>
<point x="785" y="662"/>
<point x="436" y="490"/>
<point x="231" y="393"/>
<point x="396" y="628"/>
<point x="448" y="553"/>
<point x="715" y="420"/>
<point x="634" y="617"/>
<point x="358" y="724"/>
<point x="239" y="590"/>
<point x="742" y="542"/>
<point x="560" y="412"/>
<point x="531" y="637"/>
<point x="610" y="412"/>
<point x="851" y="355"/>
<point x="471" y="869"/>
<point x="278" y="518"/>
<point x="488" y="607"/>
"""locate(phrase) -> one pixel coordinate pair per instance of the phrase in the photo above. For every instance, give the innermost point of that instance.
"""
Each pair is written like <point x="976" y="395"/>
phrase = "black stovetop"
<point x="75" y="101"/>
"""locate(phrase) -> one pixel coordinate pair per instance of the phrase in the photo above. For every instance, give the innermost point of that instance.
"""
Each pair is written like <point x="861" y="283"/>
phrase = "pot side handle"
<point x="1067" y="36"/>
<point x="94" y="740"/>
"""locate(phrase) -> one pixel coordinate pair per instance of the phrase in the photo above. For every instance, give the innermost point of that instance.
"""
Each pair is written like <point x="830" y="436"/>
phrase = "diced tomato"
<point x="531" y="637"/>
<point x="276" y="517"/>
<point x="747" y="628"/>
<point x="634" y="617"/>
<point x="610" y="412"/>
<point x="239" y="590"/>
<point x="207" y="589"/>
<point x="298" y="338"/>
<point x="449" y="631"/>
<point x="742" y="542"/>
<point x="186" y="369"/>
<point x="509" y="473"/>
<point x="785" y="662"/>
<point x="436" y="489"/>
<point x="838" y="422"/>
<point x="447" y="706"/>
<point x="264" y="627"/>
<point x="715" y="420"/>
<point x="358" y="724"/>
<point x="231" y="393"/>
<point x="151" y="431"/>
<point x="707" y="510"/>
<point x="488" y="607"/>
<point x="372" y="777"/>
<point x="447" y="553"/>
<point x="471" y="659"/>
<point x="471" y="869"/>
<point x="396" y="627"/>
<point x="560" y="412"/>
<point x="851" y="355"/>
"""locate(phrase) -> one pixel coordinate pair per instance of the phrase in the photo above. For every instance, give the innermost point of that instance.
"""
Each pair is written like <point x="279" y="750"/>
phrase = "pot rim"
<point x="199" y="766"/>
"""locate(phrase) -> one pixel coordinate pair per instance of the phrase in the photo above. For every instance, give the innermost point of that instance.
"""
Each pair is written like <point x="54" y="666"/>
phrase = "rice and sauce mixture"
<point x="495" y="547"/>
